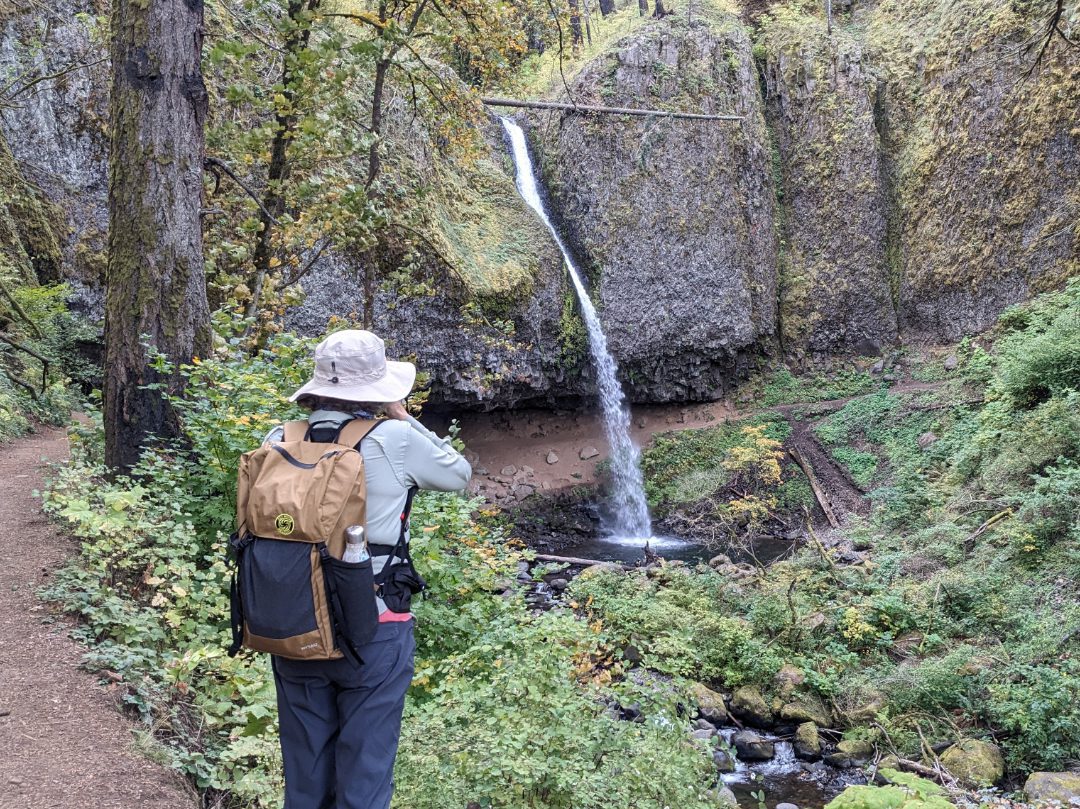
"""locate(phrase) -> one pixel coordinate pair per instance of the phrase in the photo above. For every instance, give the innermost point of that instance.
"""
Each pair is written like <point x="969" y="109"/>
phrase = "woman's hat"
<point x="351" y="365"/>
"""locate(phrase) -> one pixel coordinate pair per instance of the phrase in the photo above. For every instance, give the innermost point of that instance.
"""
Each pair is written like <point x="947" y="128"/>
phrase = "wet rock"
<point x="631" y="713"/>
<point x="752" y="746"/>
<point x="552" y="457"/>
<point x="724" y="761"/>
<point x="850" y="753"/>
<point x="508" y="471"/>
<point x="748" y="703"/>
<point x="710" y="704"/>
<point x="950" y="363"/>
<point x="926" y="439"/>
<point x="974" y="762"/>
<point x="588" y="452"/>
<point x="559" y="584"/>
<point x="1053" y="786"/>
<point x="702" y="735"/>
<point x="807" y="741"/>
<point x="806" y="709"/>
<point x="704" y="724"/>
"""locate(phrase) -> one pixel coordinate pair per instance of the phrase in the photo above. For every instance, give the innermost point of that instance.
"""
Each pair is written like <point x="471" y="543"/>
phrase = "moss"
<point x="573" y="337"/>
<point x="28" y="224"/>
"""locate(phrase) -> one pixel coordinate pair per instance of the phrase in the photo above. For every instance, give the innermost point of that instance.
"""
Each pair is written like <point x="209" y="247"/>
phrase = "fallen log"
<point x="819" y="493"/>
<point x="592" y="108"/>
<point x="577" y="561"/>
<point x="969" y="543"/>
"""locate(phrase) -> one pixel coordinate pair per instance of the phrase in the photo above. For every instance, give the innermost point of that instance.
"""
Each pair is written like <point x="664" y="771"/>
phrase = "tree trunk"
<point x="606" y="7"/>
<point x="273" y="201"/>
<point x="154" y="284"/>
<point x="588" y="21"/>
<point x="659" y="11"/>
<point x="642" y="7"/>
<point x="576" y="37"/>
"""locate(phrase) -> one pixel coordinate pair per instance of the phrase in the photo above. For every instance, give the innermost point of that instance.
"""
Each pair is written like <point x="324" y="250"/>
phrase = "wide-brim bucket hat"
<point x="351" y="365"/>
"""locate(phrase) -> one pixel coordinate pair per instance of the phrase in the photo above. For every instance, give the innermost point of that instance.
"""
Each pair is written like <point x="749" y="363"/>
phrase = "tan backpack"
<point x="292" y="595"/>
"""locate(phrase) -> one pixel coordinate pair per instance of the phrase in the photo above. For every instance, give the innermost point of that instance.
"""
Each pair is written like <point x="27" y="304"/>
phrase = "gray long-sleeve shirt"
<point x="397" y="456"/>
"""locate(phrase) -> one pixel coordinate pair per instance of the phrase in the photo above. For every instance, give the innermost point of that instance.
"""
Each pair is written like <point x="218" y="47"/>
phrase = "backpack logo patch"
<point x="284" y="524"/>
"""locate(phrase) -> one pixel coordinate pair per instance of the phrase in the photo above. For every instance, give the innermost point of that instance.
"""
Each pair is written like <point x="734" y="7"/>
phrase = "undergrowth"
<point x="508" y="708"/>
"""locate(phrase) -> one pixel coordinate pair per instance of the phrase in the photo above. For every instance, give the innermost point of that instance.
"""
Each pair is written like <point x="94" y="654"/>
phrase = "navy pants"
<point x="340" y="723"/>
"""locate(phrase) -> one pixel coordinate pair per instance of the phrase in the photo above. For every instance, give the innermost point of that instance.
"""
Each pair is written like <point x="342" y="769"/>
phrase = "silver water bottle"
<point x="356" y="547"/>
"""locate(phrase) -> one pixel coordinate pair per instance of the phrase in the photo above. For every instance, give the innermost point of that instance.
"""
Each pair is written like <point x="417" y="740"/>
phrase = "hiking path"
<point x="63" y="742"/>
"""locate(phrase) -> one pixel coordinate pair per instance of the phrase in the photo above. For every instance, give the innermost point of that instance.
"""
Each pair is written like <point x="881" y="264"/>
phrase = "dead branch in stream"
<point x="819" y="493"/>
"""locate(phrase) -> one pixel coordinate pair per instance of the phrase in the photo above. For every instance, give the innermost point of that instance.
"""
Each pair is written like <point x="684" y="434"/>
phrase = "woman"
<point x="340" y="722"/>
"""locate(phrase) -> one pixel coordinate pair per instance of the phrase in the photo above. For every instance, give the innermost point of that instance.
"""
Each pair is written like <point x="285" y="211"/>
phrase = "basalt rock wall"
<point x="674" y="219"/>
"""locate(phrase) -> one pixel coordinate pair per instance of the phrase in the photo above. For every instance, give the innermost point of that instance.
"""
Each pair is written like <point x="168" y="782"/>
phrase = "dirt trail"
<point x="63" y="744"/>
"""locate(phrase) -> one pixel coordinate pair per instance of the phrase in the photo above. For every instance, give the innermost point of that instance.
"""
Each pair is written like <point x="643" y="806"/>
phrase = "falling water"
<point x="628" y="492"/>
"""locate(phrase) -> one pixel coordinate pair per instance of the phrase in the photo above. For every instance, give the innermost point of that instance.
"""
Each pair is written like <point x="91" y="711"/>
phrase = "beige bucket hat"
<point x="351" y="365"/>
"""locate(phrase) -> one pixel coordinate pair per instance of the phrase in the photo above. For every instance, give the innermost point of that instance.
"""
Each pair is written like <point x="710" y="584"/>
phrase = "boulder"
<point x="950" y="363"/>
<point x="807" y="741"/>
<point x="806" y="709"/>
<point x="588" y="452"/>
<point x="724" y="797"/>
<point x="975" y="762"/>
<point x="748" y="703"/>
<point x="850" y="753"/>
<point x="788" y="678"/>
<point x="710" y="704"/>
<point x="702" y="735"/>
<point x="720" y="560"/>
<point x="752" y="746"/>
<point x="724" y="761"/>
<point x="1053" y="786"/>
<point x="552" y="457"/>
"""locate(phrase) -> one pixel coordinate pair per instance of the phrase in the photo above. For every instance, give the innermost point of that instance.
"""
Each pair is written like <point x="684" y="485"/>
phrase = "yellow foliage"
<point x="756" y="454"/>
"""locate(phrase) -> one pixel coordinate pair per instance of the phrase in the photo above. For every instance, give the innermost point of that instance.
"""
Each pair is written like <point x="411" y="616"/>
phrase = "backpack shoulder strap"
<point x="353" y="432"/>
<point x="294" y="430"/>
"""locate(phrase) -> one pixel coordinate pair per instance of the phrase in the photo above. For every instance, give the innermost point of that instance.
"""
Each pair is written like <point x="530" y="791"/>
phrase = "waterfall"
<point x="628" y="492"/>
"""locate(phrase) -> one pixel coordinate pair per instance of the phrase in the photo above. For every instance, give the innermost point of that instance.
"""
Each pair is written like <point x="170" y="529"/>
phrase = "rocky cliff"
<point x="674" y="218"/>
<point x="56" y="130"/>
<point x="906" y="176"/>
<point x="823" y="99"/>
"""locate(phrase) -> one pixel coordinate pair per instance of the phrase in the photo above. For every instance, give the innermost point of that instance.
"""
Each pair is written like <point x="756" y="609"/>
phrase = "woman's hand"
<point x="396" y="410"/>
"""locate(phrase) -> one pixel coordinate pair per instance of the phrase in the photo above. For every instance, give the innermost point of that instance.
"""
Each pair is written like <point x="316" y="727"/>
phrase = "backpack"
<point x="292" y="595"/>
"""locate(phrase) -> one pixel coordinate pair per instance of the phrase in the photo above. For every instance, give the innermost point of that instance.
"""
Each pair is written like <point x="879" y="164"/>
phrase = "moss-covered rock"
<point x="806" y="709"/>
<point x="749" y="704"/>
<point x="710" y="704"/>
<point x="975" y="762"/>
<point x="807" y="741"/>
<point x="851" y="753"/>
<point x="1053" y="786"/>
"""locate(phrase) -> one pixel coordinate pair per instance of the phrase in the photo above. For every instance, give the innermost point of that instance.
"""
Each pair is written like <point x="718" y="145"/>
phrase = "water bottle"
<point x="356" y="548"/>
